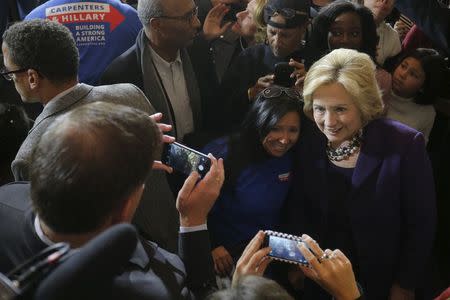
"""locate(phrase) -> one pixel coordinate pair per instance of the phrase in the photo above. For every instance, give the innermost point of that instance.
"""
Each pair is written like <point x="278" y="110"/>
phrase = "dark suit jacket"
<point x="152" y="272"/>
<point x="125" y="94"/>
<point x="391" y="206"/>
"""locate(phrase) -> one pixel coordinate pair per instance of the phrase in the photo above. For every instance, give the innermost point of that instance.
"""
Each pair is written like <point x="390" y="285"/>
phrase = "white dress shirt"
<point x="172" y="76"/>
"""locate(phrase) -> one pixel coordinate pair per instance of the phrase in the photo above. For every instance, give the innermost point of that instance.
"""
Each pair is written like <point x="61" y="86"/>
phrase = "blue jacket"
<point x="391" y="206"/>
<point x="102" y="29"/>
<point x="254" y="203"/>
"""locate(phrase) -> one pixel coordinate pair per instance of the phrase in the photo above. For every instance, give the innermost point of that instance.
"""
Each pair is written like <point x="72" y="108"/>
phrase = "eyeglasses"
<point x="287" y="13"/>
<point x="276" y="91"/>
<point x="188" y="17"/>
<point x="9" y="75"/>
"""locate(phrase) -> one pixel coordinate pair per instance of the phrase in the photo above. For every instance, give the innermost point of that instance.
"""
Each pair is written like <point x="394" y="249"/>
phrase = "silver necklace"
<point x="344" y="151"/>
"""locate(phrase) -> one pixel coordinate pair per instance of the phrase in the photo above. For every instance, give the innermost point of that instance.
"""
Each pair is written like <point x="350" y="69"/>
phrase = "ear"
<point x="155" y="23"/>
<point x="34" y="79"/>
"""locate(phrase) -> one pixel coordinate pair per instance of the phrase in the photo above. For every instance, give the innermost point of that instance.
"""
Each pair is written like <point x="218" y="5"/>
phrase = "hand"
<point x="334" y="274"/>
<point x="212" y="27"/>
<point x="167" y="139"/>
<point x="401" y="28"/>
<point x="261" y="84"/>
<point x="223" y="263"/>
<point x="399" y="293"/>
<point x="299" y="74"/>
<point x="253" y="260"/>
<point x="195" y="199"/>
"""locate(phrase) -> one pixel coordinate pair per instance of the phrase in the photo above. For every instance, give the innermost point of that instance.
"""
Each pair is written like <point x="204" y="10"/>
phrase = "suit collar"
<point x="370" y="156"/>
<point x="59" y="104"/>
<point x="152" y="85"/>
<point x="140" y="256"/>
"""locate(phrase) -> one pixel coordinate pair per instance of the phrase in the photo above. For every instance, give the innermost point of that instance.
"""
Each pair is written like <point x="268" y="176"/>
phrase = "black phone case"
<point x="165" y="159"/>
<point x="282" y="74"/>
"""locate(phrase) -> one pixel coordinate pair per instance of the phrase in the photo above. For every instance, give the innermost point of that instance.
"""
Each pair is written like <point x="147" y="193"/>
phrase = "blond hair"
<point x="258" y="18"/>
<point x="355" y="71"/>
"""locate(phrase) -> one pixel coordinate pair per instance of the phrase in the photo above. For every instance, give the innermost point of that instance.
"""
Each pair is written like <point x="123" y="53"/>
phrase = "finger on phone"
<point x="158" y="165"/>
<point x="313" y="245"/>
<point x="257" y="239"/>
<point x="188" y="186"/>
<point x="309" y="256"/>
<point x="156" y="117"/>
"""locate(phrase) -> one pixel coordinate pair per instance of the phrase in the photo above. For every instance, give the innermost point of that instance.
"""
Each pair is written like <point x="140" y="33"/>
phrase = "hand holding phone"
<point x="283" y="73"/>
<point x="185" y="160"/>
<point x="284" y="247"/>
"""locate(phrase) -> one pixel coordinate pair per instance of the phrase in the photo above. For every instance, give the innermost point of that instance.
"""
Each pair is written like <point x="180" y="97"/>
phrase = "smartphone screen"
<point x="185" y="160"/>
<point x="285" y="249"/>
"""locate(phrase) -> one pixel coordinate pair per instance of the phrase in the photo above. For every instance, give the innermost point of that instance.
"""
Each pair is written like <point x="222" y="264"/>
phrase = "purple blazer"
<point x="391" y="205"/>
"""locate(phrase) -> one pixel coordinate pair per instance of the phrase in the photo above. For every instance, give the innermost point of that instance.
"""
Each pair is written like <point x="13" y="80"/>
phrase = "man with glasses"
<point x="160" y="65"/>
<point x="41" y="58"/>
<point x="253" y="70"/>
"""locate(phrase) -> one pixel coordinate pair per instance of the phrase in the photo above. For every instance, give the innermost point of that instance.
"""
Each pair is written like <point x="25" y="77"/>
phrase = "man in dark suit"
<point x="42" y="59"/>
<point x="159" y="65"/>
<point x="87" y="173"/>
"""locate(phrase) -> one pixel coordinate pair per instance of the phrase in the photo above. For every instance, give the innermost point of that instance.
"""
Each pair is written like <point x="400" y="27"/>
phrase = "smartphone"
<point x="282" y="74"/>
<point x="185" y="160"/>
<point x="284" y="247"/>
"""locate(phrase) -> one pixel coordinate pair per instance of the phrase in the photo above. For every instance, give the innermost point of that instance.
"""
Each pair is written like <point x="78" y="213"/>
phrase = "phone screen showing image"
<point x="185" y="160"/>
<point x="285" y="249"/>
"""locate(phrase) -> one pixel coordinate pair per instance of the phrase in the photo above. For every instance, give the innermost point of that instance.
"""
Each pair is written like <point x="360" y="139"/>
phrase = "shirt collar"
<point x="161" y="60"/>
<point x="65" y="92"/>
<point x="40" y="233"/>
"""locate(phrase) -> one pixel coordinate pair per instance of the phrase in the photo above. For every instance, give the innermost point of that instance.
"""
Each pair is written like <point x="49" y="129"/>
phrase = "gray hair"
<point x="148" y="9"/>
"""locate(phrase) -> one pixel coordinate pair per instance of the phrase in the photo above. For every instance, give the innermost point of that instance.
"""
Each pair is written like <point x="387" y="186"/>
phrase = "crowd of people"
<point x="345" y="154"/>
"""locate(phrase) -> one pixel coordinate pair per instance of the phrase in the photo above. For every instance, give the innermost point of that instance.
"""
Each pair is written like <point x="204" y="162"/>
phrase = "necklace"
<point x="344" y="151"/>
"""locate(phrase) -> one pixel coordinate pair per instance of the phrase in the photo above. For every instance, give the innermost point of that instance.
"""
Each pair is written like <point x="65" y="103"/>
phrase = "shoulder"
<point x="391" y="135"/>
<point x="123" y="93"/>
<point x="123" y="60"/>
<point x="124" y="68"/>
<point x="15" y="196"/>
<point x="218" y="147"/>
<point x="254" y="51"/>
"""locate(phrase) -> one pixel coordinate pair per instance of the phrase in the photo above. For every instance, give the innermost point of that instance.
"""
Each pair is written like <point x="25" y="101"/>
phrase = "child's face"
<point x="408" y="78"/>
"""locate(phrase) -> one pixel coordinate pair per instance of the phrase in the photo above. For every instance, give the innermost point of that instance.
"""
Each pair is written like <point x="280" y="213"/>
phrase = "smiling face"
<point x="346" y="32"/>
<point x="283" y="135"/>
<point x="408" y="78"/>
<point x="336" y="114"/>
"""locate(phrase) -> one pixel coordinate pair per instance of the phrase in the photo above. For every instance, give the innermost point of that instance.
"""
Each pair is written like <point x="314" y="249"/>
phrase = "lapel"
<point x="152" y="85"/>
<point x="192" y="87"/>
<point x="370" y="156"/>
<point x="55" y="107"/>
<point x="321" y="168"/>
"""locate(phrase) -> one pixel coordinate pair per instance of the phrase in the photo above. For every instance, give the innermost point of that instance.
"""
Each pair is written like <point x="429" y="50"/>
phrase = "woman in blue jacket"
<point x="258" y="166"/>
